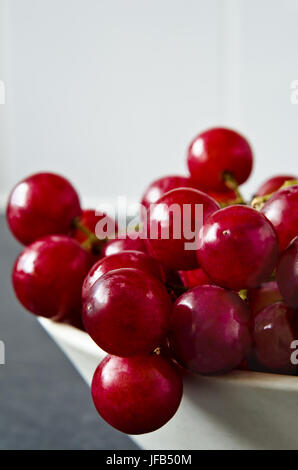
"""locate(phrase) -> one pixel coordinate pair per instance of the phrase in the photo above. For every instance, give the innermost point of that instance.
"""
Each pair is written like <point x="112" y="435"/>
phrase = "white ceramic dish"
<point x="241" y="410"/>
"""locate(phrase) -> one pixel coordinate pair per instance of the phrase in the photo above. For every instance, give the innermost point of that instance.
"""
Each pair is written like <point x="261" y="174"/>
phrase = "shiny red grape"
<point x="48" y="277"/>
<point x="274" y="329"/>
<point x="282" y="211"/>
<point x="217" y="152"/>
<point x="196" y="277"/>
<point x="287" y="274"/>
<point x="138" y="394"/>
<point x="126" y="312"/>
<point x="123" y="259"/>
<point x="161" y="186"/>
<point x="175" y="222"/>
<point x="239" y="248"/>
<point x="90" y="219"/>
<point x="125" y="244"/>
<point x="209" y="331"/>
<point x="40" y="205"/>
<point x="262" y="296"/>
<point x="273" y="184"/>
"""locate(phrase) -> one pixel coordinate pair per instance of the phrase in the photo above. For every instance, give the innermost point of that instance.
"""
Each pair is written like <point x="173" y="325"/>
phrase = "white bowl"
<point x="240" y="410"/>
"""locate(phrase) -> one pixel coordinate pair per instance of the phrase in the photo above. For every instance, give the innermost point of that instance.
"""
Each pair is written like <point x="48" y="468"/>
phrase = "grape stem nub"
<point x="232" y="184"/>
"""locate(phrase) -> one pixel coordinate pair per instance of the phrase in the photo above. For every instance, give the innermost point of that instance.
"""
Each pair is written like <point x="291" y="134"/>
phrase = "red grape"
<point x="210" y="330"/>
<point x="136" y="395"/>
<point x="126" y="312"/>
<point x="275" y="328"/>
<point x="170" y="250"/>
<point x="239" y="248"/>
<point x="123" y="259"/>
<point x="90" y="219"/>
<point x="273" y="184"/>
<point x="282" y="211"/>
<point x="161" y="186"/>
<point x="48" y="277"/>
<point x="287" y="274"/>
<point x="217" y="152"/>
<point x="42" y="204"/>
<point x="260" y="297"/>
<point x="125" y="244"/>
<point x="196" y="277"/>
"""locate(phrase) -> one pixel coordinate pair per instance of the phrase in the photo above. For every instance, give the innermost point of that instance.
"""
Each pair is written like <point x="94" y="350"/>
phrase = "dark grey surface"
<point x="44" y="404"/>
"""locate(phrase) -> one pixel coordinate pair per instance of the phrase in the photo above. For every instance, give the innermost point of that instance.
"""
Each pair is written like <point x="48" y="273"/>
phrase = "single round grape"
<point x="42" y="204"/>
<point x="161" y="186"/>
<point x="262" y="296"/>
<point x="287" y="274"/>
<point x="196" y="277"/>
<point x="48" y="276"/>
<point x="138" y="394"/>
<point x="117" y="245"/>
<point x="239" y="248"/>
<point x="282" y="211"/>
<point x="123" y="259"/>
<point x="126" y="312"/>
<point x="216" y="153"/>
<point x="210" y="330"/>
<point x="274" y="329"/>
<point x="177" y="213"/>
<point x="273" y="184"/>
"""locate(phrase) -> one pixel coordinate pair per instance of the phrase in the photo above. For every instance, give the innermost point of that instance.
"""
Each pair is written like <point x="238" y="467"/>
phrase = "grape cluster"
<point x="155" y="306"/>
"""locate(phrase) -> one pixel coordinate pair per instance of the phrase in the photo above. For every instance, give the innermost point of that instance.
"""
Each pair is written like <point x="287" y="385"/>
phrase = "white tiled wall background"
<point x="110" y="92"/>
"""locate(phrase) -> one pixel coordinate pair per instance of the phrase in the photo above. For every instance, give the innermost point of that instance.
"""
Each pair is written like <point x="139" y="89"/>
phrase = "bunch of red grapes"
<point x="154" y="306"/>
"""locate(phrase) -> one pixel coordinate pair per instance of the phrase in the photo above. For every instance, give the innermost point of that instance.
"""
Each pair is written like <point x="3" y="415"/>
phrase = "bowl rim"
<point x="81" y="341"/>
